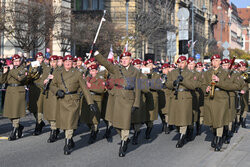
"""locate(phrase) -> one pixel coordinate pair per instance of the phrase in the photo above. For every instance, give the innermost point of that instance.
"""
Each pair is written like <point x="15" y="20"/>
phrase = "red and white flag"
<point x="111" y="53"/>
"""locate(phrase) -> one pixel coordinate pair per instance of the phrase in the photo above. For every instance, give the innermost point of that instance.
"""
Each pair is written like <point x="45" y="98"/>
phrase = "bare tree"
<point x="154" y="19"/>
<point x="83" y="32"/>
<point x="28" y="25"/>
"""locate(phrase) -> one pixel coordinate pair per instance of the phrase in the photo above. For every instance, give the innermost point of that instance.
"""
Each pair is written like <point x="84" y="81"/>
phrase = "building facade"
<point x="244" y="13"/>
<point x="9" y="45"/>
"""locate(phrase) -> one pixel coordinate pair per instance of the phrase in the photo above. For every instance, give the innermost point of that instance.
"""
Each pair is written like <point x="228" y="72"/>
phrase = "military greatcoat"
<point x="126" y="93"/>
<point x="68" y="107"/>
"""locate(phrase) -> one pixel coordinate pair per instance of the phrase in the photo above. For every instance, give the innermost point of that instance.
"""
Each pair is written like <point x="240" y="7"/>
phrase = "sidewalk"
<point x="236" y="154"/>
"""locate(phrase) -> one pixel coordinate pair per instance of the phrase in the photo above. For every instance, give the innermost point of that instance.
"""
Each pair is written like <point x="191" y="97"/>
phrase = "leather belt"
<point x="94" y="93"/>
<point x="15" y="85"/>
<point x="183" y="90"/>
<point x="70" y="93"/>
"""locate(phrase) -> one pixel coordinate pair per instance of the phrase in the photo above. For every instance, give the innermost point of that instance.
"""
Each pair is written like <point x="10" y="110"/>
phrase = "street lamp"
<point x="127" y="6"/>
<point x="192" y="28"/>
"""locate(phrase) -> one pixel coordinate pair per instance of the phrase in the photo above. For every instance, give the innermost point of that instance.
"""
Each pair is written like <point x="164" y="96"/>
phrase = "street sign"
<point x="183" y="35"/>
<point x="183" y="25"/>
<point x="226" y="45"/>
<point x="183" y="14"/>
<point x="226" y="53"/>
<point x="197" y="56"/>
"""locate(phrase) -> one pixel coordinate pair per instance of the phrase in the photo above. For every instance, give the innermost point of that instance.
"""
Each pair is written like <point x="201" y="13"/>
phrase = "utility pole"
<point x="192" y="28"/>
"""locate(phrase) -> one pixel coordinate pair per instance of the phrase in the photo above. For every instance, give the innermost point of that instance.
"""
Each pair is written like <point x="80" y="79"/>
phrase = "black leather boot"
<point x="71" y="143"/>
<point x="67" y="148"/>
<point x="198" y="129"/>
<point x="213" y="142"/>
<point x="93" y="136"/>
<point x="219" y="142"/>
<point x="243" y="123"/>
<point x="225" y="133"/>
<point x="121" y="150"/>
<point x="190" y="131"/>
<point x="148" y="132"/>
<point x="52" y="137"/>
<point x="164" y="126"/>
<point x="228" y="137"/>
<point x="20" y="131"/>
<point x="107" y="134"/>
<point x="135" y="137"/>
<point x="13" y="134"/>
<point x="38" y="129"/>
<point x="181" y="141"/>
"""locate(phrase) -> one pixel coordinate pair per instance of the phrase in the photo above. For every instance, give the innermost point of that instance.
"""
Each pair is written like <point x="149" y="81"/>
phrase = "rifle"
<point x="46" y="86"/>
<point x="177" y="85"/>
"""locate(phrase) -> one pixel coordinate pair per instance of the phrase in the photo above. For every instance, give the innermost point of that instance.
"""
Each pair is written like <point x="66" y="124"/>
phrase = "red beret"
<point x="199" y="64"/>
<point x="181" y="58"/>
<point x="93" y="66"/>
<point x="54" y="57"/>
<point x="15" y="56"/>
<point x="236" y="66"/>
<point x="190" y="60"/>
<point x="111" y="61"/>
<point x="92" y="59"/>
<point x="60" y="57"/>
<point x="149" y="61"/>
<point x="215" y="57"/>
<point x="68" y="57"/>
<point x="242" y="63"/>
<point x="75" y="59"/>
<point x="225" y="61"/>
<point x="166" y="65"/>
<point x="125" y="54"/>
<point x="172" y="66"/>
<point x="39" y="54"/>
<point x="136" y="62"/>
<point x="79" y="59"/>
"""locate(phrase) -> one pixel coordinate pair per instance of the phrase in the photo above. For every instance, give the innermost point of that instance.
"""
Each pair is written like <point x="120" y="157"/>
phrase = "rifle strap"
<point x="67" y="90"/>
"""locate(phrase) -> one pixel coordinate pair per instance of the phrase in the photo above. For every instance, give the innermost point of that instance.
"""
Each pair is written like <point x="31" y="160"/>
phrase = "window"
<point x="89" y="5"/>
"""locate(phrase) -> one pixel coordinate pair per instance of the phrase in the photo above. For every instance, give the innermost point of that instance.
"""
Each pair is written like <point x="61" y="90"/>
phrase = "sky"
<point x="241" y="3"/>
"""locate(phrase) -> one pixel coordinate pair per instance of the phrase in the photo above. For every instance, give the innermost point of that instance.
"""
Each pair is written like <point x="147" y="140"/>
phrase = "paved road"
<point x="160" y="151"/>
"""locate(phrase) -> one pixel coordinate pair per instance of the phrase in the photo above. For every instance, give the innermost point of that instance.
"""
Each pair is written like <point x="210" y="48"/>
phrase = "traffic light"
<point x="183" y="47"/>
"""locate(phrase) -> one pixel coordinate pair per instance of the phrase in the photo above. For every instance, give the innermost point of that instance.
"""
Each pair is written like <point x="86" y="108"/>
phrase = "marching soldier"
<point x="64" y="85"/>
<point x="155" y="85"/>
<point x="216" y="103"/>
<point x="95" y="84"/>
<point x="75" y="62"/>
<point x="244" y="92"/>
<point x="14" y="107"/>
<point x="35" y="94"/>
<point x="138" y="117"/>
<point x="50" y="100"/>
<point x="234" y="78"/>
<point x="59" y="62"/>
<point x="180" y="81"/>
<point x="165" y="71"/>
<point x="199" y="123"/>
<point x="79" y="64"/>
<point x="108" y="103"/>
<point x="126" y="93"/>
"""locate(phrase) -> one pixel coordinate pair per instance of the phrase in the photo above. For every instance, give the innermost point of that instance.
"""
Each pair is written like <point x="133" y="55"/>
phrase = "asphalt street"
<point x="160" y="151"/>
